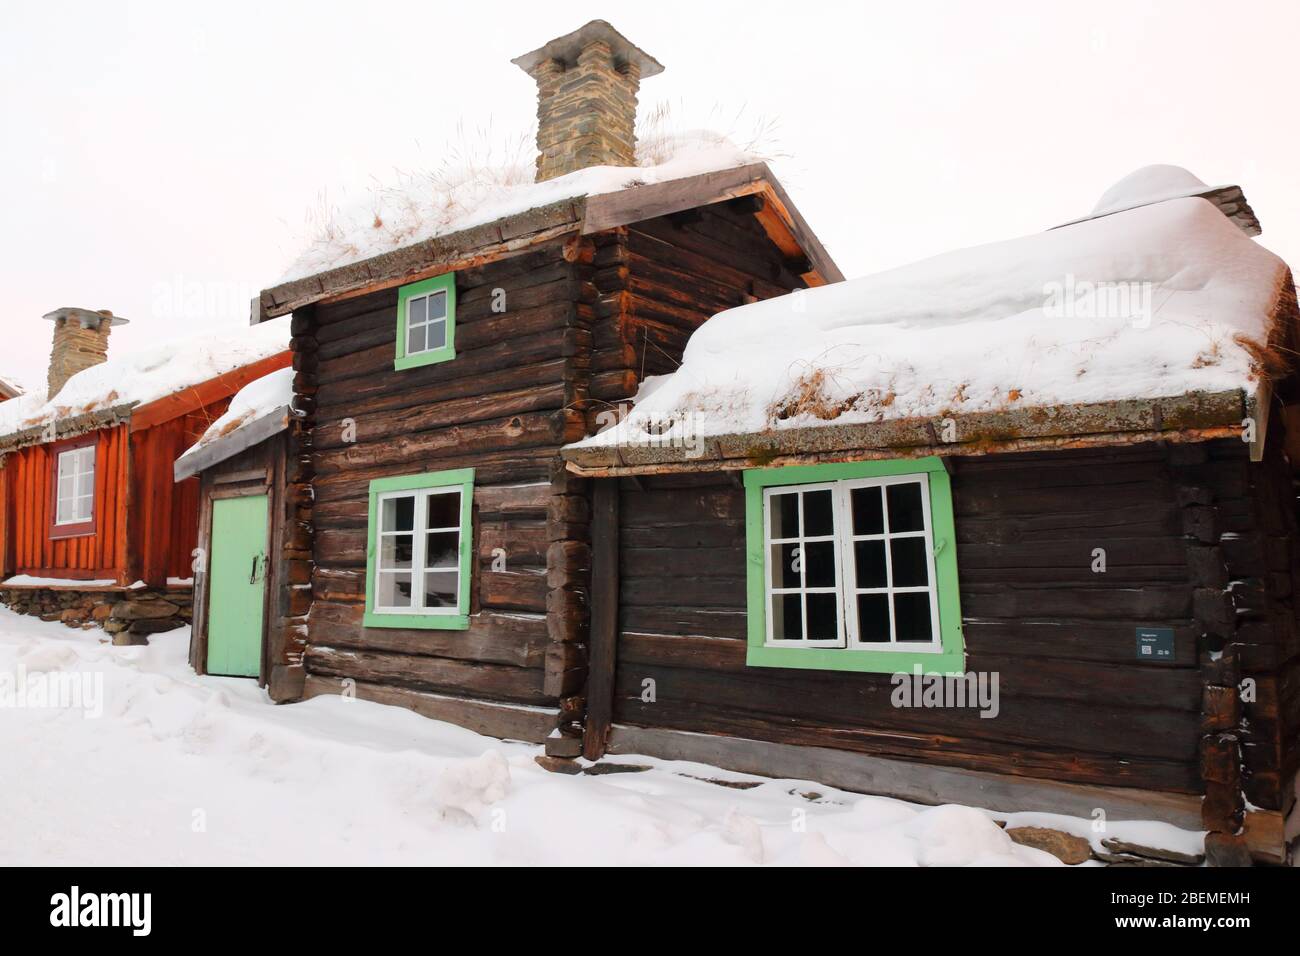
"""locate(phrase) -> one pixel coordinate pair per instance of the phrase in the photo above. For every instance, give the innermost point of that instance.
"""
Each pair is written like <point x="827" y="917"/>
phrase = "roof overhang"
<point x="578" y="216"/>
<point x="139" y="417"/>
<point x="231" y="444"/>
<point x="1198" y="416"/>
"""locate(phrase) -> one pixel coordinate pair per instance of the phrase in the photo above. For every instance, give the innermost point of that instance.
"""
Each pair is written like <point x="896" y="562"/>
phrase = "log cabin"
<point x="92" y="528"/>
<point x="1114" y="565"/>
<point x="437" y="378"/>
<point x="814" y="553"/>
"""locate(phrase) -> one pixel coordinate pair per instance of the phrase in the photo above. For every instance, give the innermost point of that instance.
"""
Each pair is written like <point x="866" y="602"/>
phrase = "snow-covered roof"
<point x="144" y="376"/>
<point x="1153" y="184"/>
<point x="258" y="410"/>
<point x="1164" y="299"/>
<point x="9" y="388"/>
<point x="427" y="205"/>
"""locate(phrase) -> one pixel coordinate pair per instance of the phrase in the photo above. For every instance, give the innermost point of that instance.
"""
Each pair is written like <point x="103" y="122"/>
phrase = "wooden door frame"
<point x="212" y="490"/>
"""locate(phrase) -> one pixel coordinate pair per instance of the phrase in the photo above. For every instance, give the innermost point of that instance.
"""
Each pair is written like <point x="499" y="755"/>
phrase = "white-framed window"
<point x="418" y="567"/>
<point x="426" y="322"/>
<point x="851" y="564"/>
<point x="74" y="497"/>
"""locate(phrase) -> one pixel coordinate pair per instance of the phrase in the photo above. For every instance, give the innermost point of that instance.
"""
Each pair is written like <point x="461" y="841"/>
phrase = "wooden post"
<point x="604" y="617"/>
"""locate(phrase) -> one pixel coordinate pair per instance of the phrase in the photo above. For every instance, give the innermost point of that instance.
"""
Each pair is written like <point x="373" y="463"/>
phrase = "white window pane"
<point x="393" y="589"/>
<point x="417" y="312"/>
<point x="783" y="515"/>
<point x="819" y="564"/>
<point x="444" y="510"/>
<point x="437" y="305"/>
<point x="823" y="617"/>
<point x="868" y="515"/>
<point x="869" y="559"/>
<point x="440" y="589"/>
<point x="396" y="551"/>
<point x="86" y="483"/>
<point x="67" y="485"/>
<point x="787" y="617"/>
<point x="818" y="513"/>
<point x="905" y="511"/>
<point x="437" y="334"/>
<point x="442" y="549"/>
<point x="910" y="563"/>
<point x="415" y="339"/>
<point x="85" y="508"/>
<point x="398" y="514"/>
<point x="873" y="618"/>
<point x="912" y="617"/>
<point x="787" y="562"/>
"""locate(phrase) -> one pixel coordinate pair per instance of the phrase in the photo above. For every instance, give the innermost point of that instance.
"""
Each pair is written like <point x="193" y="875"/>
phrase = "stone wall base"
<point x="130" y="615"/>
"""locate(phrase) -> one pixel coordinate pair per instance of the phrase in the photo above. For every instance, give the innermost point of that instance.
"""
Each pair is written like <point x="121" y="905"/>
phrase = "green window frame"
<point x="845" y="650"/>
<point x="415" y="323"/>
<point x="421" y="491"/>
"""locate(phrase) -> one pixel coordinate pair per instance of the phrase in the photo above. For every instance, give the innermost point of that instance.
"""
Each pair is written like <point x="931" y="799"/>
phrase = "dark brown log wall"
<point x="1076" y="705"/>
<point x="584" y="318"/>
<point x="503" y="406"/>
<point x="660" y="279"/>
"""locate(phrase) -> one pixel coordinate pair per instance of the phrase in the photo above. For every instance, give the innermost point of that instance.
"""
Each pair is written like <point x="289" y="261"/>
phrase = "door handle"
<point x="252" y="574"/>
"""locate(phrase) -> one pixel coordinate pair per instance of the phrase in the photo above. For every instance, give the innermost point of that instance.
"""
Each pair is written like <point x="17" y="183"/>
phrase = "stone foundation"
<point x="129" y="615"/>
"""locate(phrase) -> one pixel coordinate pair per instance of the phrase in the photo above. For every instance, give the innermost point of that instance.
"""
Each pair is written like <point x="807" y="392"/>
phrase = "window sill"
<point x="862" y="661"/>
<point x="424" y="358"/>
<point x="431" y="622"/>
<point x="65" y="532"/>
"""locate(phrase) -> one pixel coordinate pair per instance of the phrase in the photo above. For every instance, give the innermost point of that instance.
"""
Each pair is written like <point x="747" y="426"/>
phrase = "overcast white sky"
<point x="152" y="150"/>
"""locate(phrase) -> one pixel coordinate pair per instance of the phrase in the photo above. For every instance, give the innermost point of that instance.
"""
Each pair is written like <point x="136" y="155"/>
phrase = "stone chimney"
<point x="587" y="83"/>
<point x="80" y="341"/>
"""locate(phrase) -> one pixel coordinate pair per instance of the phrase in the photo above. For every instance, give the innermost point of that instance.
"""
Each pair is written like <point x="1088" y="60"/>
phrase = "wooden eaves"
<point x="231" y="444"/>
<point x="139" y="417"/>
<point x="579" y="215"/>
<point x="1197" y="416"/>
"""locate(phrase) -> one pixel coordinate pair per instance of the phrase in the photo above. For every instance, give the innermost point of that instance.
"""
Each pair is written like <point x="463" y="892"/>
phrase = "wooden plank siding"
<point x="164" y="513"/>
<point x="1075" y="703"/>
<point x="145" y="524"/>
<point x="27" y="514"/>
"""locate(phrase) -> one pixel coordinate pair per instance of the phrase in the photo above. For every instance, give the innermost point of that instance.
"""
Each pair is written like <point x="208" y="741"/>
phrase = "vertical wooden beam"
<point x="604" y="617"/>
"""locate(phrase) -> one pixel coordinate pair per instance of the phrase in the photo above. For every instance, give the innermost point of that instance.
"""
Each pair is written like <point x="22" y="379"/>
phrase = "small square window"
<point x="426" y="322"/>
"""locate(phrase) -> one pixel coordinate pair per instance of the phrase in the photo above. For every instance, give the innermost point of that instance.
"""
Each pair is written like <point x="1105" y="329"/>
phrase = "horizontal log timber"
<point x="491" y="718"/>
<point x="441" y="675"/>
<point x="493" y="637"/>
<point x="1119" y="685"/>
<point x="921" y="783"/>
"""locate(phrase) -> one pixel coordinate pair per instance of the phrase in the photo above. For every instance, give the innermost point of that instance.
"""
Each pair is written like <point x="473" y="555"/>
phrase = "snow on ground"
<point x="420" y="206"/>
<point x="1155" y="301"/>
<point x="268" y="395"/>
<point x="148" y="374"/>
<point x="181" y="769"/>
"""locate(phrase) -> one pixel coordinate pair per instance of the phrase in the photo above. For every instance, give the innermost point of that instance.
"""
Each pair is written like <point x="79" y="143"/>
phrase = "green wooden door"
<point x="237" y="586"/>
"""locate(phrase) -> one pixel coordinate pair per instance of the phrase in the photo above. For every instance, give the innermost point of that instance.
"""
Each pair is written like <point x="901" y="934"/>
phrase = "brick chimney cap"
<point x="90" y="318"/>
<point x="566" y="49"/>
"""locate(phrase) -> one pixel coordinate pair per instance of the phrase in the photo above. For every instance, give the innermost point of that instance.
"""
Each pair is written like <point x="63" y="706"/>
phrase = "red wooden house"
<point x="92" y="526"/>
